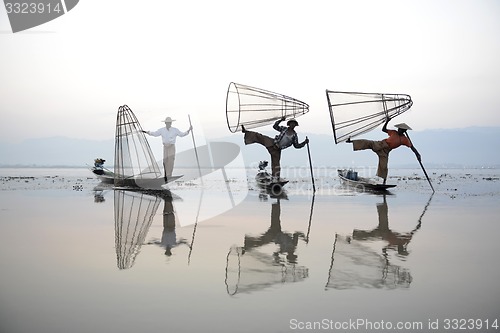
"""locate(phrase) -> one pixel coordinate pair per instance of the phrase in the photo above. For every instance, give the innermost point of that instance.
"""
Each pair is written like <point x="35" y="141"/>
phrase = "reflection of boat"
<point x="350" y="178"/>
<point x="265" y="180"/>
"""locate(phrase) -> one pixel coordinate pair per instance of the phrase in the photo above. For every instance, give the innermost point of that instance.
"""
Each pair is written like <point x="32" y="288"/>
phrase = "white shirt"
<point x="168" y="238"/>
<point x="168" y="135"/>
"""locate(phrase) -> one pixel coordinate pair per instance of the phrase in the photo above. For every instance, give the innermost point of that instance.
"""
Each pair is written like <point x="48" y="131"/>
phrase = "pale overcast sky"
<point x="170" y="58"/>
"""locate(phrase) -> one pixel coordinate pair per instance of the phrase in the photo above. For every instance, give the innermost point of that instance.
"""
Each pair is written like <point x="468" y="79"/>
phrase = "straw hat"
<point x="292" y="121"/>
<point x="168" y="120"/>
<point x="403" y="126"/>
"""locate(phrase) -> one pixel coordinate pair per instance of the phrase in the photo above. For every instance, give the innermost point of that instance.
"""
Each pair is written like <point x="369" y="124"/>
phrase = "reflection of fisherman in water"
<point x="355" y="265"/>
<point x="395" y="241"/>
<point x="249" y="270"/>
<point x="287" y="242"/>
<point x="169" y="237"/>
<point x="99" y="196"/>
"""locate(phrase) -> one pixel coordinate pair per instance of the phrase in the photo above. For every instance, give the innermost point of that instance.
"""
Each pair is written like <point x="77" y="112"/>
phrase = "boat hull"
<point x="108" y="177"/>
<point x="362" y="184"/>
<point x="265" y="180"/>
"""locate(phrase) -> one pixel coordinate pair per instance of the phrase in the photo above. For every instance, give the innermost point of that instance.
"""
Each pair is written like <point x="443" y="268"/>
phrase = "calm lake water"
<point x="233" y="259"/>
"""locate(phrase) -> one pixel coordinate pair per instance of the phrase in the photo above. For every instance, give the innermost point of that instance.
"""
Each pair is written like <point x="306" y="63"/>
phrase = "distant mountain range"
<point x="55" y="151"/>
<point x="466" y="147"/>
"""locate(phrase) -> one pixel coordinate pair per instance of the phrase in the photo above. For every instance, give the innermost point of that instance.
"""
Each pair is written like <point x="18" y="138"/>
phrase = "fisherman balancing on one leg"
<point x="383" y="147"/>
<point x="286" y="138"/>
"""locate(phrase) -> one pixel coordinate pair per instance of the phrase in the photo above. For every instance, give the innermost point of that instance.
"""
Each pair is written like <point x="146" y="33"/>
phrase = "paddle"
<point x="310" y="165"/>
<point x="195" y="151"/>
<point x="310" y="219"/>
<point x="422" y="166"/>
<point x="195" y="225"/>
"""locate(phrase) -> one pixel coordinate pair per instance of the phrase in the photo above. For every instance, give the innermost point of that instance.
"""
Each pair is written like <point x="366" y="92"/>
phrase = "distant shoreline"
<point x="429" y="166"/>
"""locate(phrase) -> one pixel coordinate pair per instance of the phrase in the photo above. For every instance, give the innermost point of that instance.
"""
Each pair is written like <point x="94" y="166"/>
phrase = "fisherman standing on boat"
<point x="383" y="147"/>
<point x="168" y="135"/>
<point x="286" y="138"/>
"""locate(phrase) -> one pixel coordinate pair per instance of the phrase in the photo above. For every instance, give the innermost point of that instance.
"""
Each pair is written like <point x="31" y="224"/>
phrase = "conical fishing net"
<point x="354" y="265"/>
<point x="250" y="271"/>
<point x="254" y="107"/>
<point x="354" y="113"/>
<point x="134" y="160"/>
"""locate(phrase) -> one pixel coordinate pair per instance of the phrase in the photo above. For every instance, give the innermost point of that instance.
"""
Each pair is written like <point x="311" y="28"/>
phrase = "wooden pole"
<point x="195" y="150"/>
<point x="423" y="169"/>
<point x="310" y="165"/>
<point x="310" y="219"/>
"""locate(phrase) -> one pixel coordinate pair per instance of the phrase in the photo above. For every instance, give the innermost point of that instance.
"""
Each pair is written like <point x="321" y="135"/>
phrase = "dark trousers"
<point x="274" y="151"/>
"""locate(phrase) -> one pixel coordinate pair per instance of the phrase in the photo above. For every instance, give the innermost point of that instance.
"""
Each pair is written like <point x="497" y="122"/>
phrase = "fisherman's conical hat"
<point x="168" y="120"/>
<point x="403" y="126"/>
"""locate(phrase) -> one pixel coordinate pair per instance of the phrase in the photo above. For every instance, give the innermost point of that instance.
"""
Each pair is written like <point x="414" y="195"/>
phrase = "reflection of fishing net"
<point x="254" y="107"/>
<point x="355" y="113"/>
<point x="134" y="212"/>
<point x="354" y="265"/>
<point x="248" y="271"/>
<point x="134" y="160"/>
